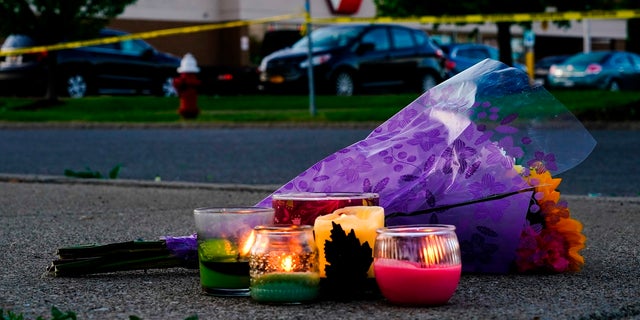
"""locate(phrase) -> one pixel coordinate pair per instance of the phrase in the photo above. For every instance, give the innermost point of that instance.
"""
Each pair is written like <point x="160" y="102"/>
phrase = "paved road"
<point x="257" y="155"/>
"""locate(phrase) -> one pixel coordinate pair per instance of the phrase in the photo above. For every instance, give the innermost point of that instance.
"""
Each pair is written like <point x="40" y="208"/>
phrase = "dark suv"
<point x="351" y="57"/>
<point x="130" y="66"/>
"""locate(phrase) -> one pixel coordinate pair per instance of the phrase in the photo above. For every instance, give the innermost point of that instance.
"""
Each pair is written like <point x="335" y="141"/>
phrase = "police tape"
<point x="491" y="18"/>
<point x="472" y="18"/>
<point x="149" y="34"/>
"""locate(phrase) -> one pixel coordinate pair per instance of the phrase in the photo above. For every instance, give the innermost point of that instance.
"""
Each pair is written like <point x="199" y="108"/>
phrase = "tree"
<point x="406" y="8"/>
<point x="53" y="21"/>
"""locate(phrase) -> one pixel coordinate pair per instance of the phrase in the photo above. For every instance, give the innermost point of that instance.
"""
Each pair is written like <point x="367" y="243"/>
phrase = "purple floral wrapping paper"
<point x="454" y="148"/>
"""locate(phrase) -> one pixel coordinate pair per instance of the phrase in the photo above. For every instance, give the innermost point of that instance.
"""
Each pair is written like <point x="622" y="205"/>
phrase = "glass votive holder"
<point x="225" y="236"/>
<point x="302" y="208"/>
<point x="417" y="264"/>
<point x="284" y="265"/>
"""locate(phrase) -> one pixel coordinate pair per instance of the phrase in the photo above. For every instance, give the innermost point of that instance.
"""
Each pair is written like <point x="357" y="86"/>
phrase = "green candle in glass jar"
<point x="284" y="265"/>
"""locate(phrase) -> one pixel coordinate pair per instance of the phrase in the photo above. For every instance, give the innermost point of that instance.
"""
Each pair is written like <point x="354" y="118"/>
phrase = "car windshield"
<point x="329" y="37"/>
<point x="17" y="41"/>
<point x="586" y="58"/>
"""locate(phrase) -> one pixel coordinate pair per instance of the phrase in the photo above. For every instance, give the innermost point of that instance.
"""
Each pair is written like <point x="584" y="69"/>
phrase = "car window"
<point x="636" y="60"/>
<point x="132" y="47"/>
<point x="17" y="41"/>
<point x="402" y="38"/>
<point x="329" y="37"/>
<point x="621" y="60"/>
<point x="107" y="46"/>
<point x="473" y="53"/>
<point x="420" y="36"/>
<point x="378" y="37"/>
<point x="586" y="58"/>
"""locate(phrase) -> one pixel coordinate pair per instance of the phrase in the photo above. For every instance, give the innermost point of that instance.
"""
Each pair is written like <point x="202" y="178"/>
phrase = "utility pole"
<point x="529" y="42"/>
<point x="312" y="94"/>
<point x="586" y="33"/>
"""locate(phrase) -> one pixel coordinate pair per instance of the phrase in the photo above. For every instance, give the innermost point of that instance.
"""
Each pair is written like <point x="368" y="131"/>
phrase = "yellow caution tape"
<point x="472" y="18"/>
<point x="492" y="18"/>
<point x="147" y="35"/>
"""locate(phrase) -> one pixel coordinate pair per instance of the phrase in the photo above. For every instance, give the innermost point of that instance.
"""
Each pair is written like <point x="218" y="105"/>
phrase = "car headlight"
<point x="555" y="71"/>
<point x="316" y="60"/>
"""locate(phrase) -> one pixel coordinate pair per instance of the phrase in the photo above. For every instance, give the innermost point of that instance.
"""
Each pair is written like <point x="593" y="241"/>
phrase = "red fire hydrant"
<point x="187" y="87"/>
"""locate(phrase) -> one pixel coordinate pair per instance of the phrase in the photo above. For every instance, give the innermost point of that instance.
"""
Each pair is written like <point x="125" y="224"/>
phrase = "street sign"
<point x="529" y="38"/>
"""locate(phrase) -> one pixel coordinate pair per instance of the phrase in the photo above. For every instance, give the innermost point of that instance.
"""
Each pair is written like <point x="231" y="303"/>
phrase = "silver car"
<point x="608" y="70"/>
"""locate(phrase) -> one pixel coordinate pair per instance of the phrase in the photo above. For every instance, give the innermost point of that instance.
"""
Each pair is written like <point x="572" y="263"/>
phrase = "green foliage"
<point x="267" y="109"/>
<point x="56" y="314"/>
<point x="91" y="174"/>
<point x="51" y="21"/>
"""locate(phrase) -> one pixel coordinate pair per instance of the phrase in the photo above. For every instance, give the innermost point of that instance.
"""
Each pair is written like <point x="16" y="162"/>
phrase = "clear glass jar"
<point x="417" y="264"/>
<point x="224" y="241"/>
<point x="283" y="264"/>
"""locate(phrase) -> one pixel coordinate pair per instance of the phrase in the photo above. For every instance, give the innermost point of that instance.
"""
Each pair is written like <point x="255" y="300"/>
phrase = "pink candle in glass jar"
<point x="405" y="282"/>
<point x="417" y="264"/>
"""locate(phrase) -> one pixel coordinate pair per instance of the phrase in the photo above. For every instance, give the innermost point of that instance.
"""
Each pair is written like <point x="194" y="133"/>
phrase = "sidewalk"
<point x="38" y="215"/>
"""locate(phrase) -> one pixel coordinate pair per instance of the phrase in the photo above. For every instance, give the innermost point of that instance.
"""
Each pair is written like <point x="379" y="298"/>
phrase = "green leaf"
<point x="10" y="315"/>
<point x="113" y="174"/>
<point x="87" y="174"/>
<point x="56" y="314"/>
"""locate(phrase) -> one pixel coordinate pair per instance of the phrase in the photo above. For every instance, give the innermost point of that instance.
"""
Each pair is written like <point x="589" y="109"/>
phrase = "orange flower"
<point x="543" y="182"/>
<point x="571" y="229"/>
<point x="557" y="216"/>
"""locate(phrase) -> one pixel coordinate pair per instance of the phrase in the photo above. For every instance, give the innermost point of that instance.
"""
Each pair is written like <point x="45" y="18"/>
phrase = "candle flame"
<point x="287" y="263"/>
<point x="246" y="247"/>
<point x="433" y="251"/>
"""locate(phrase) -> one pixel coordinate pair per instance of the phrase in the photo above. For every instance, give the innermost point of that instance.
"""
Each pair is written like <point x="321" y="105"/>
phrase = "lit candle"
<point x="224" y="236"/>
<point x="283" y="265"/>
<point x="363" y="220"/>
<point x="417" y="265"/>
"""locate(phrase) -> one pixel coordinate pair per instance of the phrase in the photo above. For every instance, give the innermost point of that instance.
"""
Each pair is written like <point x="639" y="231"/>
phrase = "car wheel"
<point x="76" y="86"/>
<point x="344" y="84"/>
<point x="427" y="81"/>
<point x="614" y="85"/>
<point x="167" y="89"/>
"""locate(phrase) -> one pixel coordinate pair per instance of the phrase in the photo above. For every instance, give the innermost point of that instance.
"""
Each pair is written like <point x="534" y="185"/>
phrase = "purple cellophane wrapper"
<point x="448" y="157"/>
<point x="183" y="247"/>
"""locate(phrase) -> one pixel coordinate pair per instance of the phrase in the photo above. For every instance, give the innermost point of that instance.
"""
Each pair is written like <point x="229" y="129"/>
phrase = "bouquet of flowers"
<point x="478" y="151"/>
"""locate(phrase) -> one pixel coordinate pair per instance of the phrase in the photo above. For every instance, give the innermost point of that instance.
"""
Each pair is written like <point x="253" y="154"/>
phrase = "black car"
<point x="129" y="66"/>
<point x="348" y="58"/>
<point x="461" y="56"/>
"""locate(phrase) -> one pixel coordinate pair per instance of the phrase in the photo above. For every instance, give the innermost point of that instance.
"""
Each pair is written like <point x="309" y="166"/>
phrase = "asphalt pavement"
<point x="256" y="155"/>
<point x="40" y="214"/>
